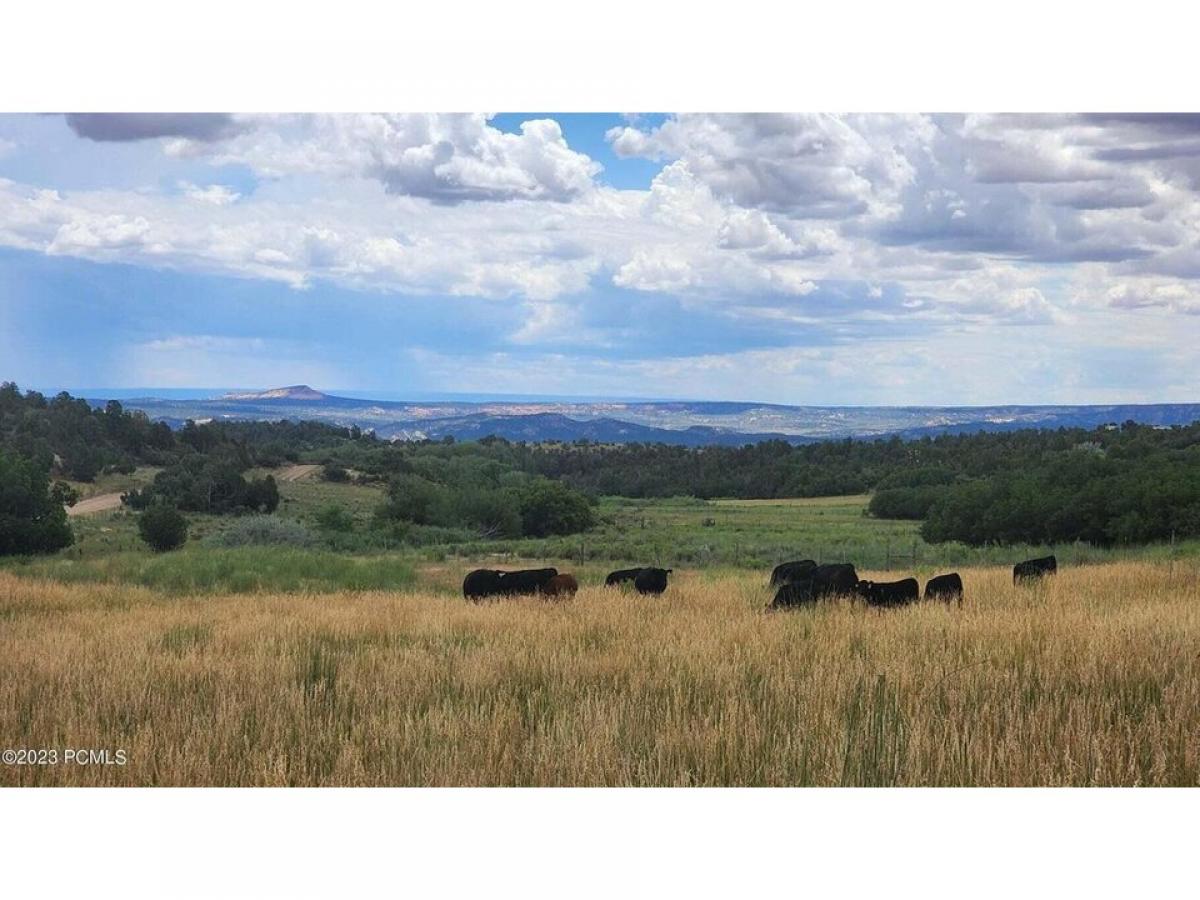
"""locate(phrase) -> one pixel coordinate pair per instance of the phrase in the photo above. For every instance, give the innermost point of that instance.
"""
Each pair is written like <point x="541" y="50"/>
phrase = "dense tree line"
<point x="1116" y="484"/>
<point x="71" y="438"/>
<point x="1101" y="499"/>
<point x="79" y="442"/>
<point x="203" y="468"/>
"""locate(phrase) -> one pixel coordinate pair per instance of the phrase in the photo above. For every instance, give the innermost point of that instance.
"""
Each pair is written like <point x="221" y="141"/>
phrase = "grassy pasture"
<point x="1091" y="678"/>
<point x="238" y="570"/>
<point x="680" y="532"/>
<point x="273" y="665"/>
<point x="756" y="534"/>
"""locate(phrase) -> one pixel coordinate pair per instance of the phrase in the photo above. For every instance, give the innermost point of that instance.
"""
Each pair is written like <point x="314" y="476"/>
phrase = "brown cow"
<point x="560" y="586"/>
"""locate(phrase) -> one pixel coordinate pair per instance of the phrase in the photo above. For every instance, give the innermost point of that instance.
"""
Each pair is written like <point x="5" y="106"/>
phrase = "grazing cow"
<point x="792" y="571"/>
<point x="651" y="580"/>
<point x="621" y="576"/>
<point x="482" y="583"/>
<point x="794" y="593"/>
<point x="834" y="580"/>
<point x="560" y="586"/>
<point x="890" y="593"/>
<point x="525" y="581"/>
<point x="1033" y="569"/>
<point x="945" y="588"/>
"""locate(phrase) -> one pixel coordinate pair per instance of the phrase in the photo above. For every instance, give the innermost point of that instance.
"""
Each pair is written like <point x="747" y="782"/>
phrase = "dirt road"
<point x="99" y="503"/>
<point x="297" y="473"/>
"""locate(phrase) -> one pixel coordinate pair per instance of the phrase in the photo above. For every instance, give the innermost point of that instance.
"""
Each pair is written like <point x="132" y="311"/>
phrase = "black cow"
<point x="945" y="588"/>
<point x="621" y="576"/>
<point x="651" y="580"/>
<point x="525" y="581"/>
<point x="794" y="593"/>
<point x="890" y="593"/>
<point x="834" y="580"/>
<point x="792" y="571"/>
<point x="482" y="583"/>
<point x="1033" y="569"/>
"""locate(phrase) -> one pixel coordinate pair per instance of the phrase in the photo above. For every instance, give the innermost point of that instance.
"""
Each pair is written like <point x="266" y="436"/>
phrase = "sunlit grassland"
<point x="1090" y="678"/>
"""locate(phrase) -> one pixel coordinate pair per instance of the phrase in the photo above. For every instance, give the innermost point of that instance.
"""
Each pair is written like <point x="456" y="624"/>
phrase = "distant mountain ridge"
<point x="688" y="423"/>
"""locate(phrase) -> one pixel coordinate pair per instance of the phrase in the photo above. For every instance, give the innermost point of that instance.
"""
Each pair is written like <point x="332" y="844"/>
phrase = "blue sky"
<point x="798" y="259"/>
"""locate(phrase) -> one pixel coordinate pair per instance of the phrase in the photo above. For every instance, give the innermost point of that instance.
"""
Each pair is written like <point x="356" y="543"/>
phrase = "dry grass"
<point x="1092" y="679"/>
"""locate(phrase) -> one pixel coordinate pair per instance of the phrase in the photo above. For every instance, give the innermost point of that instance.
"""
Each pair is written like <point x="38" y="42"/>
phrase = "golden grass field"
<point x="1091" y="679"/>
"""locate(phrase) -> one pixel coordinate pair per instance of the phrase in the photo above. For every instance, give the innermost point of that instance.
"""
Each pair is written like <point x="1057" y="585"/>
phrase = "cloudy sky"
<point x="859" y="259"/>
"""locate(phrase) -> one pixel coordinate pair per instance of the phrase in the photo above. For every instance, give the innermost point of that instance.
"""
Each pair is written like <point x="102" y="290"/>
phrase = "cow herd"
<point x="484" y="583"/>
<point x="804" y="581"/>
<point x="797" y="583"/>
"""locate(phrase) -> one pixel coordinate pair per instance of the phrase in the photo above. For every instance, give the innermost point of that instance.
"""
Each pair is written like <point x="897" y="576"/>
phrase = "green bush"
<point x="549" y="507"/>
<point x="335" y="473"/>
<point x="906" y="502"/>
<point x="334" y="518"/>
<point x="263" y="530"/>
<point x="412" y="498"/>
<point x="263" y="494"/>
<point x="62" y="493"/>
<point x="163" y="527"/>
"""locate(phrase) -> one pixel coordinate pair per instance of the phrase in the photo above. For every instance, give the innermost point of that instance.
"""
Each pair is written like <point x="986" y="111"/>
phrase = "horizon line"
<point x="217" y="393"/>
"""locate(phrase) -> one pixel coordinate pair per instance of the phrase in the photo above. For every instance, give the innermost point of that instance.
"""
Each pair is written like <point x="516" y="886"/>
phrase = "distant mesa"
<point x="294" y="392"/>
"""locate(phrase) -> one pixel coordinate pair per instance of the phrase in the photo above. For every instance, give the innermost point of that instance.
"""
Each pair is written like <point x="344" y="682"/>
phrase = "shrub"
<point x="32" y="519"/>
<point x="264" y="530"/>
<point x="494" y="513"/>
<point x="549" y="507"/>
<point x="334" y="518"/>
<point x="263" y="494"/>
<point x="335" y="473"/>
<point x="64" y="494"/>
<point x="906" y="502"/>
<point x="412" y="498"/>
<point x="163" y="527"/>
